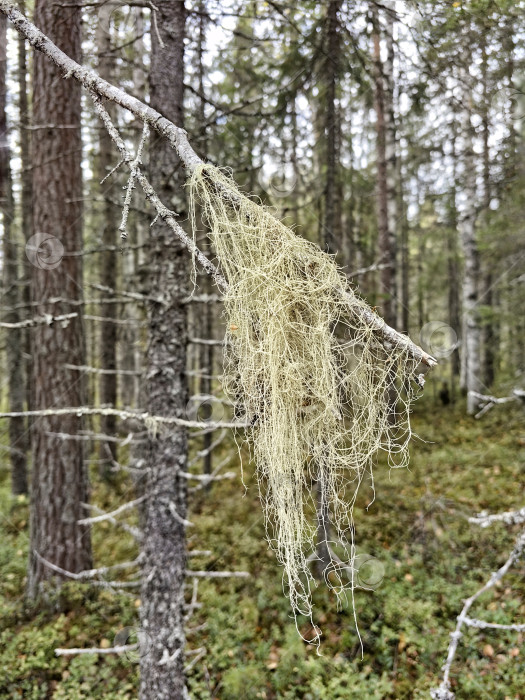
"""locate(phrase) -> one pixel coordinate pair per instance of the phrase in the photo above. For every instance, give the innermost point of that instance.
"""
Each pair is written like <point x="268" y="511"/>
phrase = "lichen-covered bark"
<point x="164" y="545"/>
<point x="59" y="481"/>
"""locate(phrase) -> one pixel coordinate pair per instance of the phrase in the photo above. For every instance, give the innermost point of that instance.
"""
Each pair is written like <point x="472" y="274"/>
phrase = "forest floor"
<point x="428" y="556"/>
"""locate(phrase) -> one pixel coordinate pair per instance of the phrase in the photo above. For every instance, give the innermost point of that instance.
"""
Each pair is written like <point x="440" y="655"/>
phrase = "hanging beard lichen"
<point x="309" y="375"/>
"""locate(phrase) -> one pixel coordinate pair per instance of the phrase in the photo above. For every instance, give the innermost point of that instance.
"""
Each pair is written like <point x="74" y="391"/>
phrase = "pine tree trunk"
<point x="332" y="209"/>
<point x="11" y="292"/>
<point x="489" y="334"/>
<point x="129" y="335"/>
<point x="26" y="195"/>
<point x="387" y="253"/>
<point x="109" y="259"/>
<point x="453" y="273"/>
<point x="162" y="594"/>
<point x="404" y="240"/>
<point x="392" y="184"/>
<point x="59" y="478"/>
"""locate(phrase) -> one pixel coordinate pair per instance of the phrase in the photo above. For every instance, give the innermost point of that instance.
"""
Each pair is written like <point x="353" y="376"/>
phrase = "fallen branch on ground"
<point x="487" y="402"/>
<point x="443" y="692"/>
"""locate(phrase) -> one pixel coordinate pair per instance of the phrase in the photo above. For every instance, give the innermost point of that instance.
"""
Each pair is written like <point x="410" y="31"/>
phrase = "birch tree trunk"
<point x="454" y="315"/>
<point x="11" y="292"/>
<point x="470" y="358"/>
<point x="164" y="546"/>
<point x="59" y="478"/>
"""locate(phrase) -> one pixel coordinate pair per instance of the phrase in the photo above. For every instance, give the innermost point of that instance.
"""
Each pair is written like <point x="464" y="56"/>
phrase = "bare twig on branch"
<point x="133" y="174"/>
<point x="111" y="516"/>
<point x="178" y="139"/>
<point x="199" y="653"/>
<point x="205" y="341"/>
<point x="203" y="299"/>
<point x="371" y="268"/>
<point x="86" y="436"/>
<point x="133" y="531"/>
<point x="193" y="605"/>
<point x="482" y="625"/>
<point x="487" y="402"/>
<point x="513" y="517"/>
<point x="207" y="478"/>
<point x="162" y="211"/>
<point x="217" y="574"/>
<point x="117" y="321"/>
<point x="45" y="320"/>
<point x="97" y="650"/>
<point x="199" y="553"/>
<point x="131" y="295"/>
<point x="88" y="573"/>
<point x="203" y="453"/>
<point x="152" y="422"/>
<point x="98" y="370"/>
<point x="104" y="248"/>
<point x="78" y="302"/>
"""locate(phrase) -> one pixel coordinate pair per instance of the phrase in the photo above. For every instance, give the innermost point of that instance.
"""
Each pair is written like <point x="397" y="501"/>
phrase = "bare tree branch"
<point x="178" y="139"/>
<point x="111" y="516"/>
<point x="97" y="650"/>
<point x="217" y="574"/>
<point x="512" y="517"/>
<point x="133" y="531"/>
<point x="153" y="422"/>
<point x="487" y="402"/>
<point x="46" y="319"/>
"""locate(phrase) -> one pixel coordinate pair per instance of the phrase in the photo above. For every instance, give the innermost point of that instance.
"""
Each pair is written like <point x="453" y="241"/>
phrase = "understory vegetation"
<point x="423" y="559"/>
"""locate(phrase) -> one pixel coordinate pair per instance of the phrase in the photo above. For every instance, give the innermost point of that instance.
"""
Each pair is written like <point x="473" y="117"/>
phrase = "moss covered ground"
<point x="423" y="556"/>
